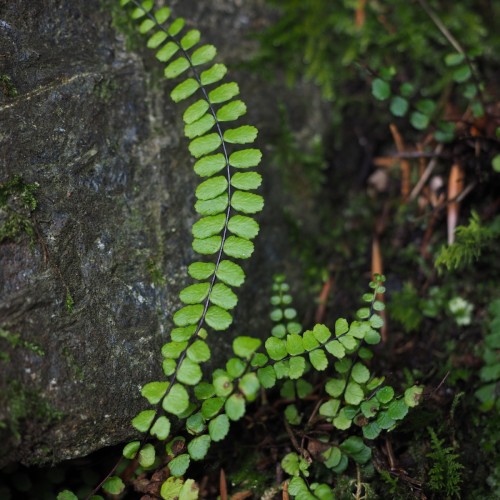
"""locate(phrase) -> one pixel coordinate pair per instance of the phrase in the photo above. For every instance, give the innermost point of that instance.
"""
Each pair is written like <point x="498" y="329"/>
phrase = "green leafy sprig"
<point x="471" y="241"/>
<point x="445" y="474"/>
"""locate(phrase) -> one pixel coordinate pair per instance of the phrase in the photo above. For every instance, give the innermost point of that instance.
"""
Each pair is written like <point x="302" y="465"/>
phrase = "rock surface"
<point x="93" y="126"/>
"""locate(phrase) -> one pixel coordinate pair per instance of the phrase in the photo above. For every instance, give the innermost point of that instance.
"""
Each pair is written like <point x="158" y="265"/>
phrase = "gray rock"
<point x="93" y="126"/>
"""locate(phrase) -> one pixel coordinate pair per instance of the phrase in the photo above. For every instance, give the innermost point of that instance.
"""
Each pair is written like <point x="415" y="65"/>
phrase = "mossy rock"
<point x="96" y="289"/>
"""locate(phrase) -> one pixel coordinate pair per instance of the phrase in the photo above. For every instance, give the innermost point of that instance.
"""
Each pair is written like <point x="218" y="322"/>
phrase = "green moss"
<point x="7" y="88"/>
<point x="73" y="364"/>
<point x="17" y="203"/>
<point x="69" y="302"/>
<point x="157" y="276"/>
<point x="246" y="475"/>
<point x="25" y="405"/>
<point x="122" y="23"/>
<point x="105" y="89"/>
<point x="14" y="340"/>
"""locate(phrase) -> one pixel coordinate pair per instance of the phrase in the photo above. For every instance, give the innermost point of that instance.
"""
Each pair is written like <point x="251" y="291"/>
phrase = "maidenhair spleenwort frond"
<point x="223" y="233"/>
<point x="354" y="399"/>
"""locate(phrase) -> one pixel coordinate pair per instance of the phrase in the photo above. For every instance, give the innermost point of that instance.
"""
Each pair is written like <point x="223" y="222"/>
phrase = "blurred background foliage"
<point x="344" y="45"/>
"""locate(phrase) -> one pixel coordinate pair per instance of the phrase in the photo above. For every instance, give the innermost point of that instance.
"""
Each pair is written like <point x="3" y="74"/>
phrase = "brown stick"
<point x="323" y="299"/>
<point x="390" y="454"/>
<point x="222" y="485"/>
<point x="405" y="164"/>
<point x="427" y="173"/>
<point x="378" y="268"/>
<point x="360" y="14"/>
<point x="285" y="496"/>
<point x="455" y="187"/>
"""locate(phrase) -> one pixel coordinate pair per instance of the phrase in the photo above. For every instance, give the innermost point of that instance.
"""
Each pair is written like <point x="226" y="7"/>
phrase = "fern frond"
<point x="222" y="234"/>
<point x="224" y="159"/>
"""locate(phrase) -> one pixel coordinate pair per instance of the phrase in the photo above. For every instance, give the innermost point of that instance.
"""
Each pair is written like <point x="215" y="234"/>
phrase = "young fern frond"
<point x="354" y="397"/>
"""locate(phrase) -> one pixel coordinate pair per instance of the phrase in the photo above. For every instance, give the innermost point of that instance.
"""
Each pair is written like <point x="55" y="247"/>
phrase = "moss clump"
<point x="157" y="277"/>
<point x="245" y="475"/>
<point x="105" y="89"/>
<point x="122" y="23"/>
<point x="17" y="203"/>
<point x="73" y="364"/>
<point x="25" y="405"/>
<point x="7" y="87"/>
<point x="14" y="340"/>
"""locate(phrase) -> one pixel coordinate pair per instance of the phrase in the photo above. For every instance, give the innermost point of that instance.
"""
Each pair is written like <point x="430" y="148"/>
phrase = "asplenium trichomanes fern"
<point x="222" y="234"/>
<point x="352" y="398"/>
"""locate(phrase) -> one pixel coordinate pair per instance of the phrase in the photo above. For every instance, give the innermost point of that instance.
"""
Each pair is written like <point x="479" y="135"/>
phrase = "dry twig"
<point x="222" y="485"/>
<point x="405" y="164"/>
